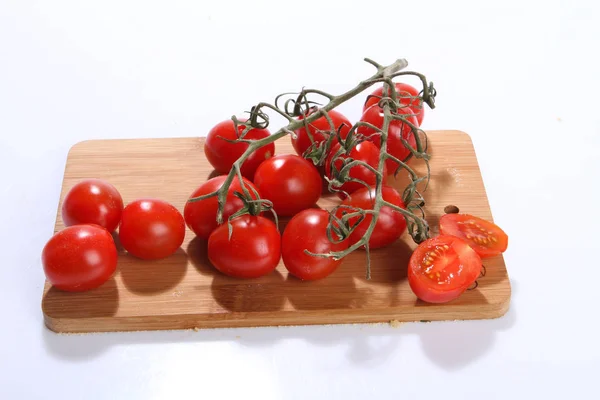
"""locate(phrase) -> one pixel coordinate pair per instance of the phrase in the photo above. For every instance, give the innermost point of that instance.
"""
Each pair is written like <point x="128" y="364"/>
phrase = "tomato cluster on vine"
<point x="237" y="213"/>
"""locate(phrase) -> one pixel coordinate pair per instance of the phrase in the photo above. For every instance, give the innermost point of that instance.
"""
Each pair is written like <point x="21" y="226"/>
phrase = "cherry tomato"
<point x="93" y="201"/>
<point x="302" y="141"/>
<point x="389" y="226"/>
<point x="397" y="131"/>
<point x="307" y="230"/>
<point x="486" y="238"/>
<point x="79" y="258"/>
<point x="151" y="229"/>
<point x="254" y="248"/>
<point x="201" y="216"/>
<point x="290" y="182"/>
<point x="222" y="154"/>
<point x="442" y="268"/>
<point x="364" y="151"/>
<point x="407" y="95"/>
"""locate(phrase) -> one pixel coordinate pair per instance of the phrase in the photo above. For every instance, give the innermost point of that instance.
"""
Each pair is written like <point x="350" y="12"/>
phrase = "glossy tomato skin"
<point x="201" y="216"/>
<point x="408" y="96"/>
<point x="442" y="268"/>
<point x="390" y="225"/>
<point x="397" y="131"/>
<point x="254" y="249"/>
<point x="79" y="258"/>
<point x="222" y="154"/>
<point x="290" y="182"/>
<point x="486" y="238"/>
<point x="364" y="151"/>
<point x="151" y="229"/>
<point x="302" y="141"/>
<point x="93" y="201"/>
<point x="307" y="230"/>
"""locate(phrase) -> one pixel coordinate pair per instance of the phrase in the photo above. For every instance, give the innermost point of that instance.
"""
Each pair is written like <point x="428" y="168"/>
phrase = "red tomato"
<point x="290" y="182"/>
<point x="93" y="201"/>
<point x="407" y="95"/>
<point x="442" y="268"/>
<point x="389" y="226"/>
<point x="302" y="141"/>
<point x="308" y="231"/>
<point x="254" y="248"/>
<point x="151" y="229"/>
<point x="397" y="131"/>
<point x="486" y="238"/>
<point x="79" y="258"/>
<point x="366" y="152"/>
<point x="222" y="154"/>
<point x="201" y="216"/>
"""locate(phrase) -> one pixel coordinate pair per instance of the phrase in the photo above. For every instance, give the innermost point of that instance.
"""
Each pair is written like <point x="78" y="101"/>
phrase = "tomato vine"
<point x="340" y="227"/>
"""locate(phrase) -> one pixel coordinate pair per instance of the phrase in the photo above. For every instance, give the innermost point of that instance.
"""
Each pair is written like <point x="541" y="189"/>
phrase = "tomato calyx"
<point x="317" y="152"/>
<point x="341" y="162"/>
<point x="337" y="231"/>
<point x="347" y="219"/>
<point x="253" y="206"/>
<point x="319" y="149"/>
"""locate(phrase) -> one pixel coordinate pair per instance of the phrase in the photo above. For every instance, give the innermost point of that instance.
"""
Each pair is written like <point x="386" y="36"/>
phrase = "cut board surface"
<point x="184" y="291"/>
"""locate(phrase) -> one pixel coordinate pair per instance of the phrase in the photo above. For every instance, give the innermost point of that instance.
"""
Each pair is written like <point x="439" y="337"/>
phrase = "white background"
<point x="521" y="77"/>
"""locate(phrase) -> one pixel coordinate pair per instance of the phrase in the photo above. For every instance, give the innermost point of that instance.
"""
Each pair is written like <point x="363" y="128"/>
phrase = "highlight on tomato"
<point x="407" y="96"/>
<point x="253" y="250"/>
<point x="442" y="268"/>
<point x="151" y="229"/>
<point x="316" y="129"/>
<point x="390" y="225"/>
<point x="222" y="153"/>
<point x="397" y="131"/>
<point x="307" y="230"/>
<point x="93" y="201"/>
<point x="486" y="238"/>
<point x="79" y="258"/>
<point x="290" y="182"/>
<point x="366" y="152"/>
<point x="201" y="216"/>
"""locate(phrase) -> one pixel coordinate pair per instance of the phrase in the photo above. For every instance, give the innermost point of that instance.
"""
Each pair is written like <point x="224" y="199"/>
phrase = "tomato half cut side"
<point x="485" y="237"/>
<point x="442" y="268"/>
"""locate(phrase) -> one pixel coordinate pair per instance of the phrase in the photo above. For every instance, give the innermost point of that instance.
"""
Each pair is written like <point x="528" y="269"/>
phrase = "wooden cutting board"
<point x="184" y="291"/>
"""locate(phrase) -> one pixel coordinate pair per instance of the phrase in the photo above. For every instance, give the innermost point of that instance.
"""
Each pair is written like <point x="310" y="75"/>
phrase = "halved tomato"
<point x="442" y="268"/>
<point x="485" y="237"/>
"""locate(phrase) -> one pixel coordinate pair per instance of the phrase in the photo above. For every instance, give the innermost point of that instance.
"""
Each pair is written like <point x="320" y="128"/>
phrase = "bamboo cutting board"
<point x="184" y="291"/>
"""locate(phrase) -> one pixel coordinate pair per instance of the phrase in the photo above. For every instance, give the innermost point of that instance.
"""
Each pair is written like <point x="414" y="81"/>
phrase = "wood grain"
<point x="184" y="291"/>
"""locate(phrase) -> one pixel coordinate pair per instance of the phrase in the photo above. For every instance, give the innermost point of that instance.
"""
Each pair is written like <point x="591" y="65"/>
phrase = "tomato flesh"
<point x="253" y="250"/>
<point x="485" y="237"/>
<point x="308" y="231"/>
<point x="79" y="258"/>
<point x="442" y="268"/>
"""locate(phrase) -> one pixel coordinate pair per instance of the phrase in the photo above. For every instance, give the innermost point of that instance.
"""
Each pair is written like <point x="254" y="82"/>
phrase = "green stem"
<point x="340" y="226"/>
<point x="221" y="193"/>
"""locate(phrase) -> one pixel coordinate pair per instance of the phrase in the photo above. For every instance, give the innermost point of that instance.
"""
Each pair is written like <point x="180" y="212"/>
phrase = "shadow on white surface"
<point x="454" y="345"/>
<point x="450" y="345"/>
